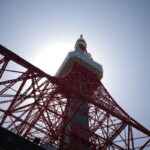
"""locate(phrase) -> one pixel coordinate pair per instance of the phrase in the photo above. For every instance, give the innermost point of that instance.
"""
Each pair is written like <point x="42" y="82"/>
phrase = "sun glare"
<point x="50" y="58"/>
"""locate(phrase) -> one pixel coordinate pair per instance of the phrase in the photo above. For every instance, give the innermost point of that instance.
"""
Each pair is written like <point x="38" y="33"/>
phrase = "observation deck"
<point x="82" y="58"/>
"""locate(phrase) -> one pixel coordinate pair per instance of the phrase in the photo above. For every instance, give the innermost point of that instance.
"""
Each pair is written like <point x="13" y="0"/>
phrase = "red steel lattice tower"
<point x="71" y="111"/>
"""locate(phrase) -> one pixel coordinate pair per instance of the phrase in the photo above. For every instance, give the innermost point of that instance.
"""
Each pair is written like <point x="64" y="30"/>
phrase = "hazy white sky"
<point x="117" y="33"/>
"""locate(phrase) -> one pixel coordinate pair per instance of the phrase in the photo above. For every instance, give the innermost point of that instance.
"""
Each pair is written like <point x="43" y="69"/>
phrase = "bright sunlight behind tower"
<point x="50" y="57"/>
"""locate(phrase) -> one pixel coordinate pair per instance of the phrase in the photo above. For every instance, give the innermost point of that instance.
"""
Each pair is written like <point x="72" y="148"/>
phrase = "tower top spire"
<point x="81" y="36"/>
<point x="81" y="44"/>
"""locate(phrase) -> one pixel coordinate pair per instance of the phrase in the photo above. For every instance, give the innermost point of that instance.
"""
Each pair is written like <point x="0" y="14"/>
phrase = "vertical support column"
<point x="76" y="131"/>
<point x="76" y="124"/>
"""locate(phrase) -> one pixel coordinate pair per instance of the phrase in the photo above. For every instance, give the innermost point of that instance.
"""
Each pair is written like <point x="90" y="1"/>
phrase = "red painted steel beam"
<point x="52" y="97"/>
<point x="14" y="57"/>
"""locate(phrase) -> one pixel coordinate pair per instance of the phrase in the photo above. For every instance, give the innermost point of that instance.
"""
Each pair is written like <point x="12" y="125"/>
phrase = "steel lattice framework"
<point x="34" y="104"/>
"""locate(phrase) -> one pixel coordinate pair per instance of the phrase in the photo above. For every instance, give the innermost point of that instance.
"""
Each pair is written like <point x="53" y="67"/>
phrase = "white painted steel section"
<point x="84" y="56"/>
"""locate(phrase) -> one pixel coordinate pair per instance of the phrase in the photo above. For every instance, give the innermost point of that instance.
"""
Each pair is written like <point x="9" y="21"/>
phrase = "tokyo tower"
<point x="70" y="111"/>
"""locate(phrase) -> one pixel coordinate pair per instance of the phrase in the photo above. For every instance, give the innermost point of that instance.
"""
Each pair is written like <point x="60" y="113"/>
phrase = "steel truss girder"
<point x="34" y="104"/>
